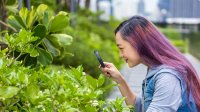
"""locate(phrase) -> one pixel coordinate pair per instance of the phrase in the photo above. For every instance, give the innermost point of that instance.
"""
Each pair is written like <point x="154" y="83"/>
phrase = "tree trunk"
<point x="78" y="2"/>
<point x="68" y="3"/>
<point x="27" y="4"/>
<point x="3" y="13"/>
<point x="58" y="2"/>
<point x="97" y="5"/>
<point x="19" y="4"/>
<point x="87" y="4"/>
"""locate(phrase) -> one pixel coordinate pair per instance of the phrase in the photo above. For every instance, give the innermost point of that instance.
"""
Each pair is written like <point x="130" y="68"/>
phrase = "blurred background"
<point x="90" y="24"/>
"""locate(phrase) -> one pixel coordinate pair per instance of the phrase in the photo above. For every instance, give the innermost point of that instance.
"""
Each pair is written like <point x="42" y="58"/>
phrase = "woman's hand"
<point x="112" y="72"/>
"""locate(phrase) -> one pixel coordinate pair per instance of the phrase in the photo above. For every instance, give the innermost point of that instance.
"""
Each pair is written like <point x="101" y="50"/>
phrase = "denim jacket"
<point x="148" y="90"/>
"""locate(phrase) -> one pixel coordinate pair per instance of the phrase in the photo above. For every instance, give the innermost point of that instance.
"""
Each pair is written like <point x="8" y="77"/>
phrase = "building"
<point x="182" y="14"/>
<point x="141" y="7"/>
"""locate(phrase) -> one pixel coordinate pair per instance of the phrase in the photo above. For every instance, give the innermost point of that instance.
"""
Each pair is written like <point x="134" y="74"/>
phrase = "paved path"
<point x="134" y="76"/>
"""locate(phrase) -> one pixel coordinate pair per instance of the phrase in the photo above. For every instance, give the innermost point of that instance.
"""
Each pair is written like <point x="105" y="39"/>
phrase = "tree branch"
<point x="3" y="23"/>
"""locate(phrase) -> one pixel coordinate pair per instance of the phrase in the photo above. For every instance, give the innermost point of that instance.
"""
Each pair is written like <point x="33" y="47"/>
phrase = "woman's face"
<point x="127" y="52"/>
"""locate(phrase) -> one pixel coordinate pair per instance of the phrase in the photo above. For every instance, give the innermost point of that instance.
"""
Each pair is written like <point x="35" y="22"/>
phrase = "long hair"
<point x="154" y="50"/>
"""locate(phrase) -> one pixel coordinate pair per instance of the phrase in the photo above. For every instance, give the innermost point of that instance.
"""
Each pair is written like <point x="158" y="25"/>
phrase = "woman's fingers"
<point x="107" y="74"/>
<point x="108" y="70"/>
<point x="105" y="71"/>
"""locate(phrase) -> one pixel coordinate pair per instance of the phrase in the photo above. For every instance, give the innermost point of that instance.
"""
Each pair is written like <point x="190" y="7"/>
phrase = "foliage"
<point x="87" y="38"/>
<point x="39" y="38"/>
<point x="194" y="44"/>
<point x="50" y="88"/>
<point x="175" y="38"/>
<point x="117" y="106"/>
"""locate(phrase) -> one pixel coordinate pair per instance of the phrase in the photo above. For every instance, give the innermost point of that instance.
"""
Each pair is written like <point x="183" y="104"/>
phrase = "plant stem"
<point x="15" y="59"/>
<point x="3" y="23"/>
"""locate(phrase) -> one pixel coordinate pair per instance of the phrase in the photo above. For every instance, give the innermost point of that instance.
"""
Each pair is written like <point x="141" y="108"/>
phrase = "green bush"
<point x="87" y="38"/>
<point x="194" y="39"/>
<point x="50" y="88"/>
<point x="175" y="38"/>
<point x="42" y="87"/>
<point x="171" y="33"/>
<point x="39" y="38"/>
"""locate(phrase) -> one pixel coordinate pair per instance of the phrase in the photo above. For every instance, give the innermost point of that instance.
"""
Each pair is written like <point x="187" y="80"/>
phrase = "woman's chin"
<point x="130" y="65"/>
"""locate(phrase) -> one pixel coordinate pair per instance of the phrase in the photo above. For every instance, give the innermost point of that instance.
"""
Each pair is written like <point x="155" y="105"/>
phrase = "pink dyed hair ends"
<point x="155" y="49"/>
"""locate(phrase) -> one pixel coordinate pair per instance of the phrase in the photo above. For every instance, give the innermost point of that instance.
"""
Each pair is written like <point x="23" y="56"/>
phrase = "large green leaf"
<point x="51" y="48"/>
<point x="20" y="20"/>
<point x="41" y="9"/>
<point x="31" y="18"/>
<point x="61" y="39"/>
<point x="101" y="80"/>
<point x="23" y="77"/>
<point x="32" y="91"/>
<point x="34" y="52"/>
<point x="45" y="58"/>
<point x="23" y="13"/>
<point x="58" y="23"/>
<point x="8" y="92"/>
<point x="46" y="19"/>
<point x="40" y="31"/>
<point x="93" y="82"/>
<point x="14" y="23"/>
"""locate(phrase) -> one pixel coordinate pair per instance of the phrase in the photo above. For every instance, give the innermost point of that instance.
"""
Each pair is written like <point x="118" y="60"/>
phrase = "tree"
<point x="27" y="4"/>
<point x="3" y="15"/>
<point x="87" y="4"/>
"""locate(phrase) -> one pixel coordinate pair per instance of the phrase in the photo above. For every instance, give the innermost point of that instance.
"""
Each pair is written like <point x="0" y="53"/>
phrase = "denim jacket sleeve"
<point x="138" y="103"/>
<point x="167" y="94"/>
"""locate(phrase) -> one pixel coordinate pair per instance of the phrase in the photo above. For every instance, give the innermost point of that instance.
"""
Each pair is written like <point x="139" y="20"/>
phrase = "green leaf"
<point x="8" y="92"/>
<point x="32" y="92"/>
<point x="40" y="31"/>
<point x="51" y="48"/>
<point x="101" y="80"/>
<point x="46" y="19"/>
<point x="31" y="18"/>
<point x="14" y="23"/>
<point x="23" y="77"/>
<point x="34" y="52"/>
<point x="19" y="19"/>
<point x="76" y="73"/>
<point x="45" y="58"/>
<point x="61" y="39"/>
<point x="91" y="81"/>
<point x="23" y="13"/>
<point x="25" y="37"/>
<point x="63" y="13"/>
<point x="109" y="86"/>
<point x="90" y="108"/>
<point x="41" y="9"/>
<point x="58" y="23"/>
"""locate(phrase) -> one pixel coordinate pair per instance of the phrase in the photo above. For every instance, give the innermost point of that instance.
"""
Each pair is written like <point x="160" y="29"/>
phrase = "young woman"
<point x="171" y="83"/>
